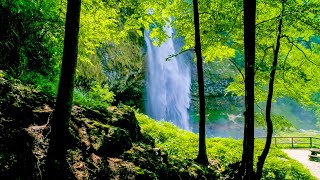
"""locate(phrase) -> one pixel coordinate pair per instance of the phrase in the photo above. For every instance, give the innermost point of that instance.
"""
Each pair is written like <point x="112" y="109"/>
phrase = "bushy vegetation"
<point x="225" y="151"/>
<point x="97" y="97"/>
<point x="48" y="85"/>
<point x="31" y="36"/>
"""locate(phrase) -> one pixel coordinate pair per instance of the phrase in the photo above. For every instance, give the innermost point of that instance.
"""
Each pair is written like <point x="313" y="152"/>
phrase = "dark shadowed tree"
<point x="265" y="151"/>
<point x="202" y="154"/>
<point x="249" y="52"/>
<point x="57" y="165"/>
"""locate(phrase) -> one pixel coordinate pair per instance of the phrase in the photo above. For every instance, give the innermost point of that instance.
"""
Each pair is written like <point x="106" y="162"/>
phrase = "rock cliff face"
<point x="217" y="76"/>
<point x="224" y="111"/>
<point x="106" y="143"/>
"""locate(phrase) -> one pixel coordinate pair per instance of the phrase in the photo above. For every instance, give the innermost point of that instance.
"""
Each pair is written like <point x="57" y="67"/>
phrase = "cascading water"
<point x="168" y="82"/>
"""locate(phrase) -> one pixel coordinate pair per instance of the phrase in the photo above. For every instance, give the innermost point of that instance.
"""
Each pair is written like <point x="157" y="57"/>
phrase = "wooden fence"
<point x="295" y="141"/>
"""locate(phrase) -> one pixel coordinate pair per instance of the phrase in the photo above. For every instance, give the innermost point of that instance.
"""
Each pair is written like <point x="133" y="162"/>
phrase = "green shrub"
<point x="2" y="74"/>
<point x="45" y="84"/>
<point x="224" y="151"/>
<point x="97" y="97"/>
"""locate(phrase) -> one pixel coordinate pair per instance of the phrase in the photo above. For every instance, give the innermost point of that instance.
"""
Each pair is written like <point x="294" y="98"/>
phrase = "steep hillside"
<point x="107" y="143"/>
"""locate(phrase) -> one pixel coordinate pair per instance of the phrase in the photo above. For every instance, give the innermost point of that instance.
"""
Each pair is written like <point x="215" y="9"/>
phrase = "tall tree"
<point x="57" y="166"/>
<point x="249" y="52"/>
<point x="202" y="154"/>
<point x="265" y="151"/>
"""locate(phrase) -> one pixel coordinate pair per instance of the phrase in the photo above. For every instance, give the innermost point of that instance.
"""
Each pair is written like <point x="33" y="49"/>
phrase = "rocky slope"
<point x="108" y="143"/>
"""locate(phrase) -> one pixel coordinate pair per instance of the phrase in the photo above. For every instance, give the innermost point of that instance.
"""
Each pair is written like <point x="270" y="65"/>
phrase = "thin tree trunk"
<point x="202" y="154"/>
<point x="265" y="151"/>
<point x="249" y="51"/>
<point x="57" y="165"/>
<point x="244" y="145"/>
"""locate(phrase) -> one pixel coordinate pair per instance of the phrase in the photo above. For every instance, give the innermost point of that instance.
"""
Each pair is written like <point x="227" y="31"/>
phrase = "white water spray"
<point x="168" y="82"/>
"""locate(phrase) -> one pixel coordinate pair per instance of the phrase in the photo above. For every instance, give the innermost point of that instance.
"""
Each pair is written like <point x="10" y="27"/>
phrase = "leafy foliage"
<point x="28" y="31"/>
<point x="32" y="41"/>
<point x="280" y="123"/>
<point x="97" y="97"/>
<point x="48" y="85"/>
<point x="298" y="55"/>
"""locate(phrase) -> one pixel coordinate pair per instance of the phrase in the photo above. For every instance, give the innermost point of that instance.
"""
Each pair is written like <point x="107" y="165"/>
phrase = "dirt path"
<point x="301" y="155"/>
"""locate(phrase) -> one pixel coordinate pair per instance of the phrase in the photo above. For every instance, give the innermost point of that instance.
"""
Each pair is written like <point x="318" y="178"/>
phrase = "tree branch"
<point x="309" y="24"/>
<point x="175" y="55"/>
<point x="284" y="63"/>
<point x="267" y="20"/>
<point x="234" y="24"/>
<point x="237" y="68"/>
<point x="280" y="15"/>
<point x="304" y="54"/>
<point x="264" y="55"/>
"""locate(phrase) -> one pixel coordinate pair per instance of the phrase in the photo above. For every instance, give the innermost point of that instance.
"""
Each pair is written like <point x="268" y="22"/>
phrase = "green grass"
<point x="182" y="144"/>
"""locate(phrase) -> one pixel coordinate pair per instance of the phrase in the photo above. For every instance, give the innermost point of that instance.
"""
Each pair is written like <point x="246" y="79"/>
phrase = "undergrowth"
<point x="98" y="96"/>
<point x="45" y="84"/>
<point x="224" y="151"/>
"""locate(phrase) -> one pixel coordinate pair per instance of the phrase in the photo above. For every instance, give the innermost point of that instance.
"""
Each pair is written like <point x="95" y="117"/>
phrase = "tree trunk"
<point x="57" y="165"/>
<point x="265" y="151"/>
<point x="202" y="154"/>
<point x="249" y="51"/>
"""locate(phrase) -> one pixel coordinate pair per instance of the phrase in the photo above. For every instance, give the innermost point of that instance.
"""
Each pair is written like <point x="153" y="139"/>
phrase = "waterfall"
<point x="168" y="82"/>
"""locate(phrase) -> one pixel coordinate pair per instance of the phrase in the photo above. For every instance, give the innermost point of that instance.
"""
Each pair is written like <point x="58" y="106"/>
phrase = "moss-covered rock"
<point x="147" y="139"/>
<point x="16" y="103"/>
<point x="119" y="117"/>
<point x="101" y="138"/>
<point x="125" y="118"/>
<point x="117" y="141"/>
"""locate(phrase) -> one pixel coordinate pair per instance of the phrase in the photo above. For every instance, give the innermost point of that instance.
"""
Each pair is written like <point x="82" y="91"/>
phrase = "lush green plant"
<point x="1" y="74"/>
<point x="97" y="97"/>
<point x="30" y="36"/>
<point x="224" y="151"/>
<point x="46" y="84"/>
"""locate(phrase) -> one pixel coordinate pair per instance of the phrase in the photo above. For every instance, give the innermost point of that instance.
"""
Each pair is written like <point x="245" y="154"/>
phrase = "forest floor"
<point x="301" y="155"/>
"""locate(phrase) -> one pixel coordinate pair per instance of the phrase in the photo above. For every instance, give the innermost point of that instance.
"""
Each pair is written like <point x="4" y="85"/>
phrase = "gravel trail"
<point x="301" y="155"/>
